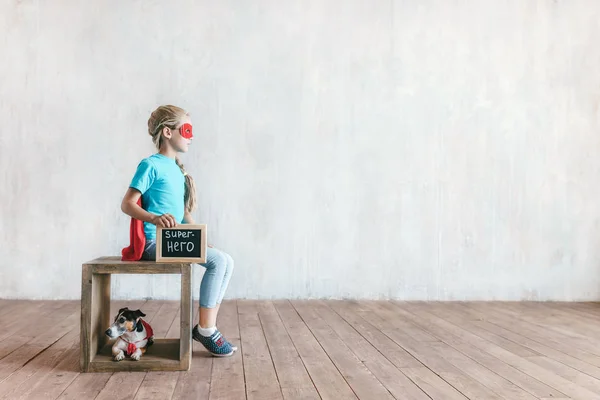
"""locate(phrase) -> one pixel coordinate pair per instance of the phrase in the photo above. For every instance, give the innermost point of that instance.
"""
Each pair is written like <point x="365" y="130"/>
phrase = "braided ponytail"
<point x="190" y="188"/>
<point x="170" y="117"/>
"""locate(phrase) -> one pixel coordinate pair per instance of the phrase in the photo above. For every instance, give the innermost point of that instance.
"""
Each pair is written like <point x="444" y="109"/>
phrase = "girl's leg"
<point x="208" y="316"/>
<point x="226" y="278"/>
<point x="215" y="279"/>
<point x="149" y="253"/>
<point x="219" y="268"/>
<point x="213" y="312"/>
<point x="210" y="287"/>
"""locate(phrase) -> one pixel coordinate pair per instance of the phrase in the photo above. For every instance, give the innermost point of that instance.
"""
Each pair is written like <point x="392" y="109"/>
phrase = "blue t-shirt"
<point x="162" y="185"/>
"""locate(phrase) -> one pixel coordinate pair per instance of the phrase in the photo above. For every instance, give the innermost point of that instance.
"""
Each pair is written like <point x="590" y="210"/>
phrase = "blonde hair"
<point x="171" y="117"/>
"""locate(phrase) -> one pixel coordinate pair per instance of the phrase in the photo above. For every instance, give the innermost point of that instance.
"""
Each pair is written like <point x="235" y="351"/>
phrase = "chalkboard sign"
<point x="186" y="243"/>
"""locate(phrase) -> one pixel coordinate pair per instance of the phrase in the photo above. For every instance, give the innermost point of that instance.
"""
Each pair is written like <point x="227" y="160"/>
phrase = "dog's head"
<point x="126" y="321"/>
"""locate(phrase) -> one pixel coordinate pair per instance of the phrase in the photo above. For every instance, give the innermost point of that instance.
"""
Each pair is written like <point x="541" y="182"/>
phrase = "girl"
<point x="168" y="197"/>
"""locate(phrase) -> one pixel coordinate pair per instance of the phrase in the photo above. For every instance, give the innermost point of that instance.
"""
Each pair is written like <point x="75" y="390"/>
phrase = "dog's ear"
<point x="139" y="326"/>
<point x="138" y="314"/>
<point x="119" y="313"/>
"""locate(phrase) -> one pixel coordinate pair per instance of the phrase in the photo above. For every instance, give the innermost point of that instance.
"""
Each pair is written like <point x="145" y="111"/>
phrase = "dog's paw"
<point x="136" y="356"/>
<point x="119" y="356"/>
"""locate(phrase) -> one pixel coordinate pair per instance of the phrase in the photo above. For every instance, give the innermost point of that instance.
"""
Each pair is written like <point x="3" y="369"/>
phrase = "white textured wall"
<point x="408" y="149"/>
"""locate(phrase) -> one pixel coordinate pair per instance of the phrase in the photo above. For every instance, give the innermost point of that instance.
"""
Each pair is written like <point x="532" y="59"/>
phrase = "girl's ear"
<point x="167" y="132"/>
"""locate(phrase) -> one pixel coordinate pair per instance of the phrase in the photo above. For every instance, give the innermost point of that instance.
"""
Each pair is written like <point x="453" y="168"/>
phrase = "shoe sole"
<point x="222" y="355"/>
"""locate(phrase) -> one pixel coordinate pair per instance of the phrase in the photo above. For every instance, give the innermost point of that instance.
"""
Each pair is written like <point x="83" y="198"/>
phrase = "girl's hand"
<point x="164" y="221"/>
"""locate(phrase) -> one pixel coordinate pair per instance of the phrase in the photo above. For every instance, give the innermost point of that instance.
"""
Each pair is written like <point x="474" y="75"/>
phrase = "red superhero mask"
<point x="186" y="131"/>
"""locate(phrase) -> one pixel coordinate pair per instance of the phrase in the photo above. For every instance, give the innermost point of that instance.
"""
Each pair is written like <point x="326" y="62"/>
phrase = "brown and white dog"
<point x="134" y="334"/>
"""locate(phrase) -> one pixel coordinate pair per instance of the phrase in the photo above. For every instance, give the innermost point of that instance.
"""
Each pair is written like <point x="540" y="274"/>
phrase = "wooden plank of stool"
<point x="95" y="313"/>
<point x="86" y="318"/>
<point x="114" y="265"/>
<point x="101" y="304"/>
<point x="185" y="333"/>
<point x="137" y="268"/>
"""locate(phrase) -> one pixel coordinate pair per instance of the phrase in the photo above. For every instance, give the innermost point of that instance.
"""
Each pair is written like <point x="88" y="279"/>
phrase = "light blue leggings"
<point x="219" y="267"/>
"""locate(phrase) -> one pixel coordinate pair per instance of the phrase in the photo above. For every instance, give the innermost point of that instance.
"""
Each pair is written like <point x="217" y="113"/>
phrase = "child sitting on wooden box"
<point x="163" y="194"/>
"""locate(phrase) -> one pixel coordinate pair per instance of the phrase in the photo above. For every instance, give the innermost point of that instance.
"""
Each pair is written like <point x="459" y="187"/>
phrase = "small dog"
<point x="134" y="334"/>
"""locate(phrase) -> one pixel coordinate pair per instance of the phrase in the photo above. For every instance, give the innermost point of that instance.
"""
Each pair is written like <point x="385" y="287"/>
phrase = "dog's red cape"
<point x="137" y="240"/>
<point x="131" y="346"/>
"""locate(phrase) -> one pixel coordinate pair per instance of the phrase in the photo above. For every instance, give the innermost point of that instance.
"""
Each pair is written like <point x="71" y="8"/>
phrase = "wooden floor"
<point x="324" y="349"/>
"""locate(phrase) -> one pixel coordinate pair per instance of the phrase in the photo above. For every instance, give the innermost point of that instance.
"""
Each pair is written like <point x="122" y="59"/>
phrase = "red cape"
<point x="137" y="240"/>
<point x="132" y="346"/>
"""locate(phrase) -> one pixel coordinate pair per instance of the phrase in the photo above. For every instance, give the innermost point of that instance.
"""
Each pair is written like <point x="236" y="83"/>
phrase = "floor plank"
<point x="23" y="322"/>
<point x="586" y="347"/>
<point x="227" y="379"/>
<point x="550" y="379"/>
<point x="475" y="348"/>
<point x="311" y="349"/>
<point x="360" y="379"/>
<point x="561" y="316"/>
<point x="447" y="379"/>
<point x="433" y="385"/>
<point x="174" y="329"/>
<point x="568" y="359"/>
<point x="327" y="379"/>
<point x="358" y="336"/>
<point x="23" y="381"/>
<point x="563" y="351"/>
<point x="85" y="386"/>
<point x="194" y="383"/>
<point x="30" y="324"/>
<point x="121" y="385"/>
<point x="261" y="379"/>
<point x="351" y="312"/>
<point x="485" y="376"/>
<point x="157" y="385"/>
<point x="568" y="373"/>
<point x="294" y="379"/>
<point x="50" y="333"/>
<point x="52" y="384"/>
<point x="452" y="313"/>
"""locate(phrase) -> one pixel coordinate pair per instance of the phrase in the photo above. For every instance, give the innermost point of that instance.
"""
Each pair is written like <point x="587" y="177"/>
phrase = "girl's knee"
<point x="230" y="263"/>
<point x="216" y="260"/>
<point x="219" y="260"/>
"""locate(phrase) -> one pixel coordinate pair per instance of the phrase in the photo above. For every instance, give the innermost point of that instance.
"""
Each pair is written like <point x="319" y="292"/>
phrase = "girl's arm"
<point x="130" y="207"/>
<point x="187" y="218"/>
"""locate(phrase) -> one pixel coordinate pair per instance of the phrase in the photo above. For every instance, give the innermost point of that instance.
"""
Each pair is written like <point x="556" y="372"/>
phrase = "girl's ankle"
<point x="207" y="332"/>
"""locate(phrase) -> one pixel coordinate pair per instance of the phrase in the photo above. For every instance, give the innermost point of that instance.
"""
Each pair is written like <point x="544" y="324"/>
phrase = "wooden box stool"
<point x="164" y="354"/>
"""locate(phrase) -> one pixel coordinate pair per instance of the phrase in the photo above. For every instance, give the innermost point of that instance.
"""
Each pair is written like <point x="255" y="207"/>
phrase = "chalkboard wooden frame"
<point x="199" y="260"/>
